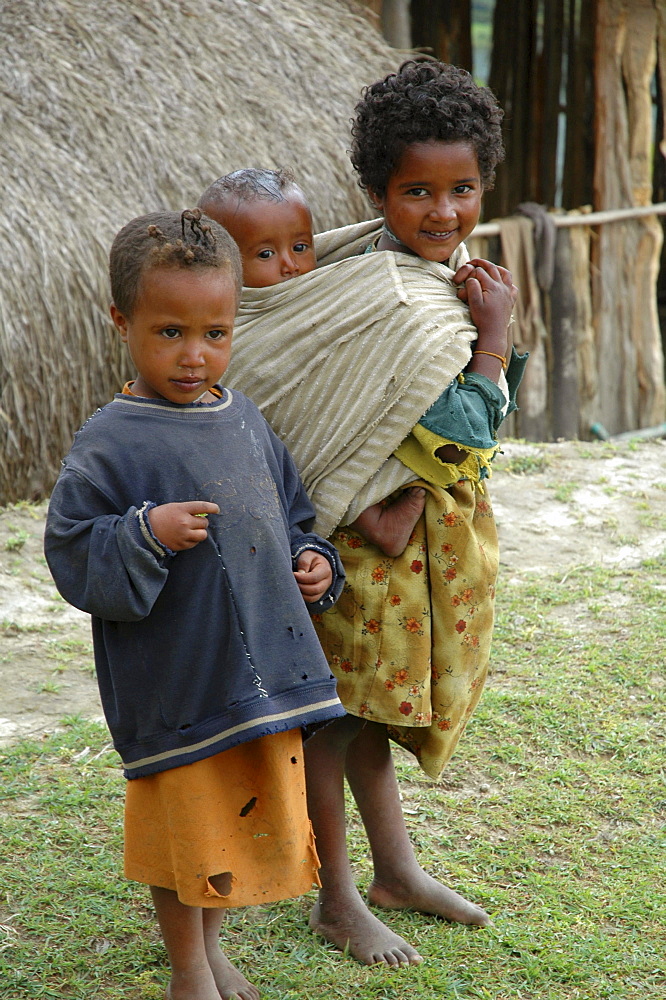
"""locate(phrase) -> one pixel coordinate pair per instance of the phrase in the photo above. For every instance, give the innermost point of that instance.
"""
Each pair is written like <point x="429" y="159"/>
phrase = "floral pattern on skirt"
<point x="409" y="639"/>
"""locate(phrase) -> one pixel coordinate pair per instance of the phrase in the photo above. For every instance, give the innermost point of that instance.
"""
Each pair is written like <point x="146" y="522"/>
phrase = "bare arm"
<point x="489" y="291"/>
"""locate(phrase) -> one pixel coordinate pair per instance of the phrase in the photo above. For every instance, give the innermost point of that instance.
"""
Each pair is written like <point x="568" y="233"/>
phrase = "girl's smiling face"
<point x="433" y="199"/>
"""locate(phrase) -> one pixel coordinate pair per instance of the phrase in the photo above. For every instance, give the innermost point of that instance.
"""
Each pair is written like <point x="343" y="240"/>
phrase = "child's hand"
<point x="313" y="576"/>
<point x="181" y="525"/>
<point x="489" y="292"/>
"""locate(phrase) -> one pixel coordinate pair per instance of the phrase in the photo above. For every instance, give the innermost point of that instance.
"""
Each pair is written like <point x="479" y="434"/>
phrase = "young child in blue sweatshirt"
<point x="179" y="522"/>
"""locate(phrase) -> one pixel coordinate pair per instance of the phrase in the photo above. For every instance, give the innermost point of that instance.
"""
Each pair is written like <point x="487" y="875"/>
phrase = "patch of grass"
<point x="649" y="517"/>
<point x="625" y="539"/>
<point x="33" y="510"/>
<point x="49" y="687"/>
<point x="551" y="815"/>
<point x="598" y="449"/>
<point x="522" y="465"/>
<point x="11" y="628"/>
<point x="16" y="541"/>
<point x="564" y="491"/>
<point x="68" y="652"/>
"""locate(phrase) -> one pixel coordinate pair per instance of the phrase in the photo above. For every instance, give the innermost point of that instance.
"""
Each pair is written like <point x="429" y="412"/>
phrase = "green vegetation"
<point x="551" y="815"/>
<point x="522" y="465"/>
<point x="16" y="541"/>
<point x="564" y="491"/>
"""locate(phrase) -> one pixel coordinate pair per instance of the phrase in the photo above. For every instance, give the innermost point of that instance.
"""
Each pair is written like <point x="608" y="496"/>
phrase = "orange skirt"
<point x="240" y="815"/>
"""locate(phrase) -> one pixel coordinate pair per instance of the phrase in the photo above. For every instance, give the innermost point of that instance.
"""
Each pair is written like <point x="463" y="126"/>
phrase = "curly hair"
<point x="423" y="102"/>
<point x="249" y="184"/>
<point x="168" y="240"/>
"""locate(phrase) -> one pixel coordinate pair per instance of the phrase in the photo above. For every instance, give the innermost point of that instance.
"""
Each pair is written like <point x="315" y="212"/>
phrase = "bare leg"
<point x="340" y="915"/>
<point x="182" y="930"/>
<point x="399" y="881"/>
<point x="187" y="932"/>
<point x="229" y="981"/>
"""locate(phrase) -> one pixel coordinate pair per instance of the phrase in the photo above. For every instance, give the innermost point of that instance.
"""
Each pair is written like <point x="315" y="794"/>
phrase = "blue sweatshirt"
<point x="199" y="650"/>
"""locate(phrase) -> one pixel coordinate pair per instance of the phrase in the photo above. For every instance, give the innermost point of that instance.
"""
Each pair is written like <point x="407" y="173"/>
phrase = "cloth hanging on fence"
<point x="345" y="360"/>
<point x="529" y="330"/>
<point x="545" y="235"/>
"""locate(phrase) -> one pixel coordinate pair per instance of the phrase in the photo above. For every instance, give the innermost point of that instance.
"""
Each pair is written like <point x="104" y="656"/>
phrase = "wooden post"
<point x="579" y="144"/>
<point x="586" y="355"/>
<point x="626" y="255"/>
<point x="553" y="40"/>
<point x="396" y="26"/>
<point x="445" y="29"/>
<point x="564" y="322"/>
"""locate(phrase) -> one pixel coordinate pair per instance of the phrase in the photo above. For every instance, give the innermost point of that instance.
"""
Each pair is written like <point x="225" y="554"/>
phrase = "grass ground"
<point x="551" y="815"/>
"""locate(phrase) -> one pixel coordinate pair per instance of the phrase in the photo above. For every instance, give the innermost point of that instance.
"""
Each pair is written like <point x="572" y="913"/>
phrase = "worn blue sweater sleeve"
<point x="319" y="544"/>
<point x="102" y="562"/>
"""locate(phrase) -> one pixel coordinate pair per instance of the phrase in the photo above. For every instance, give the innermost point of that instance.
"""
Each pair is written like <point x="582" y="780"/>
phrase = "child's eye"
<point x="418" y="192"/>
<point x="265" y="254"/>
<point x="216" y="334"/>
<point x="170" y="332"/>
<point x="301" y="247"/>
<point x="463" y="189"/>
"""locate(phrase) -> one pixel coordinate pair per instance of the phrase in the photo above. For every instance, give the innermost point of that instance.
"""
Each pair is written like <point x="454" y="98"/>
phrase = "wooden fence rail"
<point x="583" y="218"/>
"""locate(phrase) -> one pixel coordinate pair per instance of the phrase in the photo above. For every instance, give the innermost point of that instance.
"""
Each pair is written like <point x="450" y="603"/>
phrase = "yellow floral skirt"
<point x="409" y="639"/>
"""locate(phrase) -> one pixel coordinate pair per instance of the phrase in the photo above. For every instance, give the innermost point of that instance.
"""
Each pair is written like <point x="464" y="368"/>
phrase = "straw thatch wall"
<point x="112" y="109"/>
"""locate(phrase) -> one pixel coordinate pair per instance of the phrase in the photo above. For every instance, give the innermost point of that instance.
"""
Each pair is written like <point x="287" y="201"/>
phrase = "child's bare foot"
<point x="389" y="526"/>
<point x="193" y="985"/>
<point x="427" y="895"/>
<point x="356" y="930"/>
<point x="231" y="983"/>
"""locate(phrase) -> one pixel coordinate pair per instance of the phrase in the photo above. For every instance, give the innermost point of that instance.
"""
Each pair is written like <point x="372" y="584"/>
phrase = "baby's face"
<point x="274" y="238"/>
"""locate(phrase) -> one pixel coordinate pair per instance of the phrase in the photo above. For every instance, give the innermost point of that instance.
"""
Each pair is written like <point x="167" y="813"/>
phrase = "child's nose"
<point x="192" y="355"/>
<point x="289" y="264"/>
<point x="443" y="208"/>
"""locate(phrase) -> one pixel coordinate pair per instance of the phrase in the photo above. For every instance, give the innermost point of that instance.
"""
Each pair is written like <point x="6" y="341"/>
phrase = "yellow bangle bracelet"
<point x="490" y="354"/>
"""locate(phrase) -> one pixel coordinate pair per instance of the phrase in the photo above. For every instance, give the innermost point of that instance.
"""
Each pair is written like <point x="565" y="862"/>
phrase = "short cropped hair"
<point x="423" y="102"/>
<point x="250" y="184"/>
<point x="186" y="239"/>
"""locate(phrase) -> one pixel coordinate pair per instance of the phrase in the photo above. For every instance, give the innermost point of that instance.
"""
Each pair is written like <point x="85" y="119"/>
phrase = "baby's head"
<point x="175" y="284"/>
<point x="425" y="144"/>
<point x="267" y="214"/>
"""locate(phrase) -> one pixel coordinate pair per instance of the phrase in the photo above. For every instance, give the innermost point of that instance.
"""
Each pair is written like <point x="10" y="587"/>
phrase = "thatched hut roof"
<point x="114" y="109"/>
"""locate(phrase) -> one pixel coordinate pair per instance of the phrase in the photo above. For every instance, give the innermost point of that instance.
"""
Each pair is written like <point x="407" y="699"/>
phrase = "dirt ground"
<point x="558" y="506"/>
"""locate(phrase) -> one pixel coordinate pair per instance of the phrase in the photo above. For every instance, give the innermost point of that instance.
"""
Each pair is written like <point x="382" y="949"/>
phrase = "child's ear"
<point x="376" y="200"/>
<point x="119" y="321"/>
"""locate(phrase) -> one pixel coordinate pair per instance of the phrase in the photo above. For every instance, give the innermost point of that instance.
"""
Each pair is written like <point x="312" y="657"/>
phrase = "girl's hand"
<point x="313" y="576"/>
<point x="489" y="292"/>
<point x="181" y="525"/>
